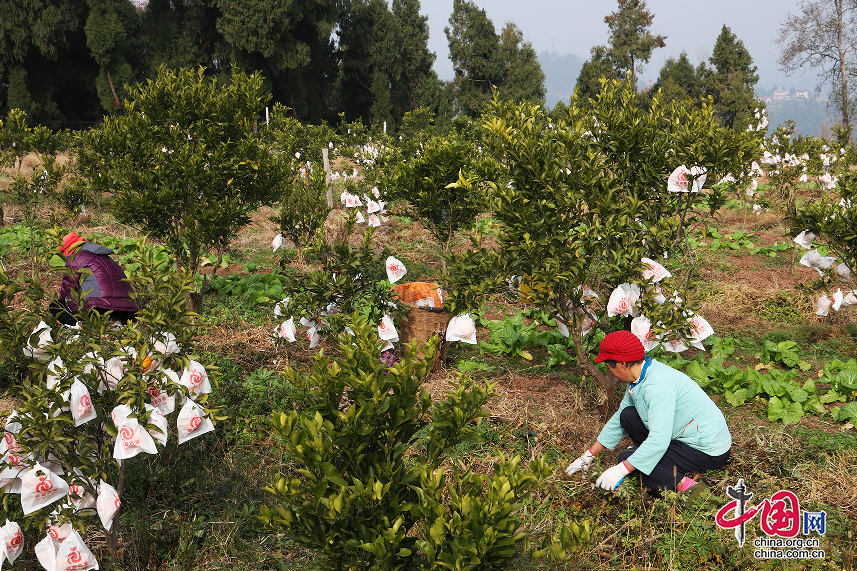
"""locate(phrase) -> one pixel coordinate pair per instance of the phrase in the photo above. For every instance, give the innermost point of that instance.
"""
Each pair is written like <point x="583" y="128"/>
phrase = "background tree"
<point x="44" y="62"/>
<point x="417" y="84"/>
<point x="184" y="164"/>
<point x="474" y="51"/>
<point x="678" y="79"/>
<point x="524" y="80"/>
<point x="823" y="35"/>
<point x="631" y="42"/>
<point x="597" y="66"/>
<point x="112" y="35"/>
<point x="730" y="79"/>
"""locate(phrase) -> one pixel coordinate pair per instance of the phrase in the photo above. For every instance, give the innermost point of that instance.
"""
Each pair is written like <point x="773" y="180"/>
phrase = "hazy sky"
<point x="574" y="26"/>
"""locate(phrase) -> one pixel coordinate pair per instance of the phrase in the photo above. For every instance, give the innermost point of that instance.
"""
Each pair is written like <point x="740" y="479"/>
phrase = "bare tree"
<point x="823" y="35"/>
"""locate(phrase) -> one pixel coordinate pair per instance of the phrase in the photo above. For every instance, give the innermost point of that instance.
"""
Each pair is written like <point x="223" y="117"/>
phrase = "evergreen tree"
<point x="678" y="79"/>
<point x="417" y="84"/>
<point x="730" y="80"/>
<point x="524" y="80"/>
<point x="599" y="65"/>
<point x="631" y="42"/>
<point x="112" y="35"/>
<point x="181" y="34"/>
<point x="474" y="51"/>
<point x="45" y="67"/>
<point x="286" y="42"/>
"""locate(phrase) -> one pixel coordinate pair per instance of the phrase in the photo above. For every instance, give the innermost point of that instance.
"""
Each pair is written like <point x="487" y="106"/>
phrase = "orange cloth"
<point x="414" y="291"/>
<point x="68" y="241"/>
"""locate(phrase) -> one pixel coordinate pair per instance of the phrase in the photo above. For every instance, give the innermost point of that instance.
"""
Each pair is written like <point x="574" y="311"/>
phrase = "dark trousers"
<point x="59" y="309"/>
<point x="678" y="460"/>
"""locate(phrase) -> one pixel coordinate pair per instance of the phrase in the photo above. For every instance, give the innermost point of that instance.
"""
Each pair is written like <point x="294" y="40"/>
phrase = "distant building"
<point x="781" y="94"/>
<point x="802" y="95"/>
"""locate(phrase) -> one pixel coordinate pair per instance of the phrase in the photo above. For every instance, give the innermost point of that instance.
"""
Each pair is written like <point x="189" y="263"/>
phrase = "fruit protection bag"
<point x="80" y="404"/>
<point x="13" y="541"/>
<point x="132" y="440"/>
<point x="461" y="328"/>
<point x="157" y="418"/>
<point x="192" y="422"/>
<point x="74" y="555"/>
<point x="195" y="378"/>
<point x="40" y="487"/>
<point x="107" y="504"/>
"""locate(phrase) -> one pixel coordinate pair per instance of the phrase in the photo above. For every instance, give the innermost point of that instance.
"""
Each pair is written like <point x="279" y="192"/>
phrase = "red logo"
<point x="17" y="540"/>
<point x="623" y="304"/>
<point x="681" y="179"/>
<point x="194" y="423"/>
<point x="44" y="485"/>
<point x="85" y="406"/>
<point x="695" y="326"/>
<point x="195" y="379"/>
<point x="127" y="433"/>
<point x="13" y="460"/>
<point x="117" y="503"/>
<point x="154" y="391"/>
<point x="74" y="556"/>
<point x="76" y="490"/>
<point x="53" y="533"/>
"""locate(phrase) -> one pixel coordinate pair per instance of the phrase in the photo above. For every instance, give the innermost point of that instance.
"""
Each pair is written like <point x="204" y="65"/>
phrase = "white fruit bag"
<point x="374" y="221"/>
<point x="824" y="304"/>
<point x="167" y="346"/>
<point x="359" y="218"/>
<point x="195" y="378"/>
<point x="313" y="337"/>
<point x="192" y="422"/>
<point x="844" y="272"/>
<point x="700" y="329"/>
<point x="44" y="338"/>
<point x="286" y="330"/>
<point x="623" y="299"/>
<point x="837" y="299"/>
<point x="12" y="425"/>
<point x="387" y="330"/>
<point x="46" y="553"/>
<point x="107" y="504"/>
<point x="641" y="326"/>
<point x="13" y="540"/>
<point x="373" y="207"/>
<point x="805" y="239"/>
<point x="278" y="242"/>
<point x="55" y="370"/>
<point x="80" y="404"/>
<point x="654" y="272"/>
<point x="674" y="345"/>
<point x="678" y="180"/>
<point x="58" y="533"/>
<point x="395" y="269"/>
<point x="74" y="555"/>
<point x="40" y="487"/>
<point x="461" y="328"/>
<point x="281" y="306"/>
<point x="132" y="440"/>
<point x="79" y="497"/>
<point x="119" y="413"/>
<point x="114" y="370"/>
<point x="157" y="418"/>
<point x="700" y="175"/>
<point x="562" y="327"/>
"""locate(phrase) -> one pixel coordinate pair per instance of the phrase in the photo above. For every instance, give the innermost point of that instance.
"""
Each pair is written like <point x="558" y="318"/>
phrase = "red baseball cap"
<point x="621" y="346"/>
<point x="68" y="241"/>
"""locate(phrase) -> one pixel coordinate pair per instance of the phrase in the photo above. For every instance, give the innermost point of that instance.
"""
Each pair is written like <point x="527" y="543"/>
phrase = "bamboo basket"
<point x="420" y="323"/>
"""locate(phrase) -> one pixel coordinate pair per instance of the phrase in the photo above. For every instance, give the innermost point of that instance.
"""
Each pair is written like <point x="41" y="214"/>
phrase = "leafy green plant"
<point x="785" y="353"/>
<point x="81" y="437"/>
<point x="303" y="208"/>
<point x="184" y="163"/>
<point x="364" y="501"/>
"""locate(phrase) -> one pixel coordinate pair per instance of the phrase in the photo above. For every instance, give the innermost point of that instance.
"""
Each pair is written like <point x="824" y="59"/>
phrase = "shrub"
<point x="366" y="500"/>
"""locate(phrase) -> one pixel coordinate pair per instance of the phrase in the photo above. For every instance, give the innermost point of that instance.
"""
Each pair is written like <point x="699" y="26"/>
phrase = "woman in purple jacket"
<point x="105" y="289"/>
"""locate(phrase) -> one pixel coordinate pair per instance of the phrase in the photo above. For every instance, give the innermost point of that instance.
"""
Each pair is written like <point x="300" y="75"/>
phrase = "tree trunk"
<point x="843" y="103"/>
<point x="194" y="301"/>
<point x="607" y="382"/>
<point x="116" y="101"/>
<point x="2" y="219"/>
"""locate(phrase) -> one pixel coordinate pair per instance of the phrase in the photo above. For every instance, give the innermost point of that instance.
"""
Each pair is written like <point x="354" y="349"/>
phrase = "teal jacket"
<point x="673" y="407"/>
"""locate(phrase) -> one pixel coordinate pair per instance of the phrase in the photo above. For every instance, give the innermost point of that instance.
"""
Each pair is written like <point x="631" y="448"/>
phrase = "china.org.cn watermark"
<point x="780" y="519"/>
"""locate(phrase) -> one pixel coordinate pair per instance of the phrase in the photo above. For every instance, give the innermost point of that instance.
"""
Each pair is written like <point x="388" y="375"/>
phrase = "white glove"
<point x="612" y="477"/>
<point x="581" y="463"/>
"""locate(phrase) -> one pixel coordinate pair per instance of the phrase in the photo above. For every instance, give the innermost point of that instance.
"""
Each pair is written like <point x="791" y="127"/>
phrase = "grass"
<point x="194" y="506"/>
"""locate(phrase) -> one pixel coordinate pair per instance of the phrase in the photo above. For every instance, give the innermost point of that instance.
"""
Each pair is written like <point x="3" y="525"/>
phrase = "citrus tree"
<point x="581" y="199"/>
<point x="96" y="395"/>
<point x="185" y="162"/>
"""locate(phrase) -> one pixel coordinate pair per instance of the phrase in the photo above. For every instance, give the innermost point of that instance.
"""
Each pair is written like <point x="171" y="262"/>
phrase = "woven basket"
<point x="421" y="324"/>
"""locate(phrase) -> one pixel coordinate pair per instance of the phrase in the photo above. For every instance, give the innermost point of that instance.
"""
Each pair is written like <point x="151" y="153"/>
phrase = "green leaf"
<point x="736" y="398"/>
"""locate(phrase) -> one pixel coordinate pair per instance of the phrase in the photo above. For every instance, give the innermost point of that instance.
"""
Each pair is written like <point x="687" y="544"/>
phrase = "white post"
<point x="326" y="162"/>
<point x="267" y="116"/>
<point x="385" y="127"/>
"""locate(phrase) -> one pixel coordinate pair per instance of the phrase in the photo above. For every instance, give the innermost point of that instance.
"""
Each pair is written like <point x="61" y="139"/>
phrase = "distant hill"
<point x="561" y="71"/>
